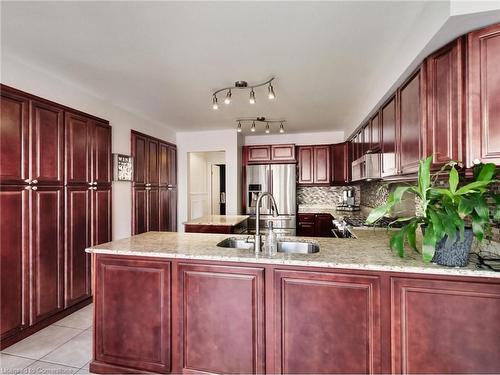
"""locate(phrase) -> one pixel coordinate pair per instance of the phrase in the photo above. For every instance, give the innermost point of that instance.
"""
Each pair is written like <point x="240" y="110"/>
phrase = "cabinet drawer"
<point x="306" y="218"/>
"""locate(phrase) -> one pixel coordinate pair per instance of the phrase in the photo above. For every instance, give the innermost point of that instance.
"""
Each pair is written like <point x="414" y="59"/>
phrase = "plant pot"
<point x="455" y="254"/>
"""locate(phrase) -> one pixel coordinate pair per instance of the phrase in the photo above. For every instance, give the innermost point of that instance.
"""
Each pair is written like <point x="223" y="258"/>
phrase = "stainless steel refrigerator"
<point x="280" y="181"/>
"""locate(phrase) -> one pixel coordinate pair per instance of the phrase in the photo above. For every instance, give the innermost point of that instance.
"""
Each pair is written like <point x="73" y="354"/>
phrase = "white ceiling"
<point x="332" y="60"/>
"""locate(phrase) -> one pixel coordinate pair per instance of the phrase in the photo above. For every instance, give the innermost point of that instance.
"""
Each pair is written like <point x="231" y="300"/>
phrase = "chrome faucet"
<point x="257" y="218"/>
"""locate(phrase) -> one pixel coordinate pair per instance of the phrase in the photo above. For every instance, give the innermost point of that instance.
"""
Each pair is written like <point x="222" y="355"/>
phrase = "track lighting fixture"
<point x="252" y="97"/>
<point x="243" y="85"/>
<point x="271" y="94"/>
<point x="255" y="120"/>
<point x="228" y="97"/>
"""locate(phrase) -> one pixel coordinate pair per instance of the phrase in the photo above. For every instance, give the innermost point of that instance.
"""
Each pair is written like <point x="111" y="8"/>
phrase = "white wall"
<point x="24" y="77"/>
<point x="296" y="138"/>
<point x="217" y="140"/>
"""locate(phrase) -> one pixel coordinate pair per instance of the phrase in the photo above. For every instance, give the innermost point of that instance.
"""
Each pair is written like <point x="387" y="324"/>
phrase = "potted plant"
<point x="450" y="217"/>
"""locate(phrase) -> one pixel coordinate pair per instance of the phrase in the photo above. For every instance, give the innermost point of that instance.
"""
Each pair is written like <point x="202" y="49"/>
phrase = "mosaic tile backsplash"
<point x="323" y="195"/>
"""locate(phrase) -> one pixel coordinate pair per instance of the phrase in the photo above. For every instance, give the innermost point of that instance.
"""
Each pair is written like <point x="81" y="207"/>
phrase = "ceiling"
<point x="332" y="60"/>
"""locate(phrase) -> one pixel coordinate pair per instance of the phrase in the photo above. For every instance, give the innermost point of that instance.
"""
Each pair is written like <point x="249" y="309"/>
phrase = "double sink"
<point x="292" y="247"/>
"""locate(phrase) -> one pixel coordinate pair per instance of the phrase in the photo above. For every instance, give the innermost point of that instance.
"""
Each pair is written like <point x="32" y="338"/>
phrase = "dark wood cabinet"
<point x="77" y="239"/>
<point x="389" y="138"/>
<point x="326" y="323"/>
<point x="101" y="154"/>
<point x="315" y="225"/>
<point x="376" y="133"/>
<point x="314" y="165"/>
<point x="411" y="105"/>
<point x="341" y="163"/>
<point x="47" y="145"/>
<point x="78" y="149"/>
<point x="483" y="95"/>
<point x="367" y="137"/>
<point x="259" y="154"/>
<point x="55" y="191"/>
<point x="47" y="252"/>
<point x="14" y="250"/>
<point x="444" y="134"/>
<point x="221" y="312"/>
<point x="14" y="138"/>
<point x="154" y="193"/>
<point x="452" y="321"/>
<point x="140" y="339"/>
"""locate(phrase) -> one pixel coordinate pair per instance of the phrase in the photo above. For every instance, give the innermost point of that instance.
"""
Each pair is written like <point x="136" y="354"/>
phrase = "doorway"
<point x="218" y="192"/>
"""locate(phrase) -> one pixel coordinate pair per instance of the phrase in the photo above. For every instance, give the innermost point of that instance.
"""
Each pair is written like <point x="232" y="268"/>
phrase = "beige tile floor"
<point x="64" y="347"/>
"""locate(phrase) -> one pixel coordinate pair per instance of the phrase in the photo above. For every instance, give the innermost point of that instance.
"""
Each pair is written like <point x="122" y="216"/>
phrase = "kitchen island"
<point x="229" y="224"/>
<point x="171" y="302"/>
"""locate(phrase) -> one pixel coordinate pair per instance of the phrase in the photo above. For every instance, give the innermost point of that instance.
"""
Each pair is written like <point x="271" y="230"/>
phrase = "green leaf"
<point x="438" y="228"/>
<point x="478" y="227"/>
<point x="486" y="172"/>
<point x="481" y="208"/>
<point x="424" y="176"/>
<point x="465" y="206"/>
<point x="411" y="234"/>
<point x="428" y="244"/>
<point x="470" y="188"/>
<point x="453" y="180"/>
<point x="440" y="192"/>
<point x="378" y="212"/>
<point x="397" y="242"/>
<point x="399" y="192"/>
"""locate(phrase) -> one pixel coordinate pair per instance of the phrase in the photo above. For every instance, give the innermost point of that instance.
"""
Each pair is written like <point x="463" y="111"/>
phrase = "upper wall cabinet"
<point x="483" y="100"/>
<point x="376" y="133"/>
<point x="260" y="154"/>
<point x="389" y="137"/>
<point x="367" y="138"/>
<point x="445" y="112"/>
<point x="411" y="105"/>
<point x="314" y="165"/>
<point x="341" y="163"/>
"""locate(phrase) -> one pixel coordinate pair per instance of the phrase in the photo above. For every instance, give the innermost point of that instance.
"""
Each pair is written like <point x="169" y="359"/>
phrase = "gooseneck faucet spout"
<point x="257" y="218"/>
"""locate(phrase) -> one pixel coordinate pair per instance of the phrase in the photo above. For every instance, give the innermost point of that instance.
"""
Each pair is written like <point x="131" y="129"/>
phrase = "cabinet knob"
<point x="95" y="182"/>
<point x="27" y="187"/>
<point x="94" y="188"/>
<point x="34" y="188"/>
<point x="28" y="180"/>
<point x="34" y="182"/>
<point x="91" y="183"/>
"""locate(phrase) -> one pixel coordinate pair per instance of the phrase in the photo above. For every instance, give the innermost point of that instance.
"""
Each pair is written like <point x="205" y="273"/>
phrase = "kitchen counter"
<point x="370" y="251"/>
<point x="225" y="220"/>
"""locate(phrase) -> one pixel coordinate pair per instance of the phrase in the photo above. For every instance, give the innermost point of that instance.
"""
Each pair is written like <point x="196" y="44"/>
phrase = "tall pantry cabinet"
<point x="55" y="200"/>
<point x="154" y="189"/>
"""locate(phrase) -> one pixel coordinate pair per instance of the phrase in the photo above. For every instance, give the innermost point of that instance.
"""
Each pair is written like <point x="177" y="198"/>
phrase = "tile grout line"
<point x="59" y="347"/>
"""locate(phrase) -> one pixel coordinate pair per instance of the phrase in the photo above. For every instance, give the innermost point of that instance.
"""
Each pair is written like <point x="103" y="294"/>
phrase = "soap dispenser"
<point x="271" y="245"/>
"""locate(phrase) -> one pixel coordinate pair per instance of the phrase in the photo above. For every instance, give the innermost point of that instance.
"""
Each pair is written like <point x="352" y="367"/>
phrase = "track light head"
<point x="215" y="105"/>
<point x="228" y="97"/>
<point x="271" y="94"/>
<point x="267" y="129"/>
<point x="252" y="97"/>
<point x="252" y="129"/>
<point x="239" y="127"/>
<point x="282" y="129"/>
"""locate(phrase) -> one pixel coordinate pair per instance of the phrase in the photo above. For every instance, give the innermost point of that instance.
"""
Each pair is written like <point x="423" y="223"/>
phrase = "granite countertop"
<point x="224" y="220"/>
<point x="370" y="251"/>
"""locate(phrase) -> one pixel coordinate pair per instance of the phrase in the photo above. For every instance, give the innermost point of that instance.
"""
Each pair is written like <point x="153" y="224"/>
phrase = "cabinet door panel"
<point x="102" y="154"/>
<point x="321" y="164"/>
<point x="47" y="268"/>
<point x="164" y="164"/>
<point x="14" y="251"/>
<point x="47" y="144"/>
<point x="153" y="209"/>
<point x="168" y="210"/>
<point x="443" y="138"/>
<point x="344" y="334"/>
<point x="140" y="154"/>
<point x="78" y="222"/>
<point x="389" y="139"/>
<point x="14" y="138"/>
<point x="78" y="149"/>
<point x="258" y="153"/>
<point x="140" y="210"/>
<point x="324" y="225"/>
<point x="172" y="170"/>
<point x="410" y="124"/>
<point x="101" y="216"/>
<point x="222" y="319"/>
<point x="153" y="162"/>
<point x="140" y="338"/>
<point x="367" y="137"/>
<point x="306" y="159"/>
<point x="484" y="95"/>
<point x="454" y="322"/>
<point x="283" y="152"/>
<point x="375" y="133"/>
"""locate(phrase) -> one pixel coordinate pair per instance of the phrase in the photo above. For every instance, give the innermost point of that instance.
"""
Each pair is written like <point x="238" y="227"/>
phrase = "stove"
<point x="359" y="221"/>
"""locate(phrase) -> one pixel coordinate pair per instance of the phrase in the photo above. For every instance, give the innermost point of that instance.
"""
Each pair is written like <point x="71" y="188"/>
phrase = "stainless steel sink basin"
<point x="236" y="243"/>
<point x="297" y="247"/>
<point x="292" y="247"/>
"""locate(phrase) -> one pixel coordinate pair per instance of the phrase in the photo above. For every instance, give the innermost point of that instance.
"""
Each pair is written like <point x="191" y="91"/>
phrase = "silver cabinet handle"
<point x="94" y="188"/>
<point x="91" y="183"/>
<point x="28" y="180"/>
<point x="34" y="188"/>
<point x="148" y="184"/>
<point x="34" y="182"/>
<point x="27" y="187"/>
<point x="148" y="188"/>
<point x="95" y="182"/>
